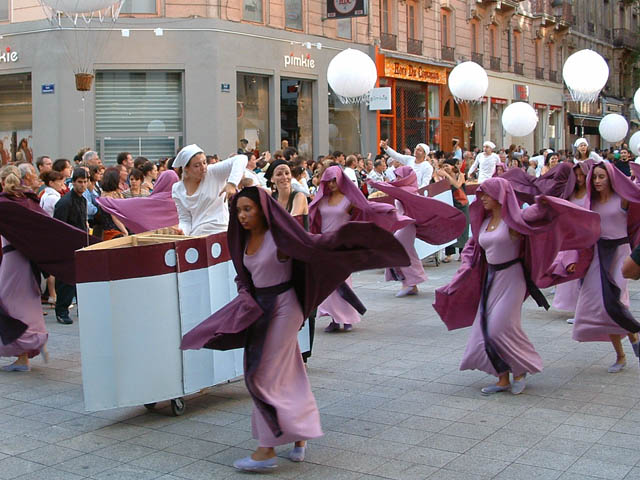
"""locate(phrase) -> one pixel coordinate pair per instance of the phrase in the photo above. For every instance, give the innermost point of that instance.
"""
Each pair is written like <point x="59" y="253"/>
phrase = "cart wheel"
<point x="150" y="406"/>
<point x="177" y="406"/>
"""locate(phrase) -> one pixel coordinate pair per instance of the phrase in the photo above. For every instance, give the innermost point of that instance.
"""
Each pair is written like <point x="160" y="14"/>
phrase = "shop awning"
<point x="580" y="124"/>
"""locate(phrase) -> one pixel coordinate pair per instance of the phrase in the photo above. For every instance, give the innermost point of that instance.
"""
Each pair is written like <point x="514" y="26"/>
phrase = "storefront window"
<point x="139" y="112"/>
<point x="253" y="111"/>
<point x="296" y="114"/>
<point x="252" y="10"/>
<point x="344" y="28"/>
<point x="539" y="133"/>
<point x="15" y="118"/>
<point x="411" y="113"/>
<point x="293" y="12"/>
<point x="139" y="6"/>
<point x="344" y="126"/>
<point x="4" y="10"/>
<point x="496" y="125"/>
<point x="434" y="117"/>
<point x="554" y="131"/>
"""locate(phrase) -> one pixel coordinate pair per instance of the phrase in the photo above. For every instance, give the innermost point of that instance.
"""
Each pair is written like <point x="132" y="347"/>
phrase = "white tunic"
<point x="49" y="199"/>
<point x="206" y="211"/>
<point x="424" y="170"/>
<point x="486" y="165"/>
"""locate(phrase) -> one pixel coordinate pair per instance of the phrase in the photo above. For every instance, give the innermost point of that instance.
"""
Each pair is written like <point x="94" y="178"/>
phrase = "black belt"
<point x="274" y="289"/>
<point x="492" y="352"/>
<point x="7" y="249"/>
<point x="618" y="312"/>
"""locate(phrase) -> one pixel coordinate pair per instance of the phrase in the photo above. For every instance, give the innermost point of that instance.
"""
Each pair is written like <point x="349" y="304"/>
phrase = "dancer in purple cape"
<point x="602" y="311"/>
<point x="146" y="213"/>
<point x="283" y="274"/>
<point x="558" y="182"/>
<point x="512" y="252"/>
<point x="23" y="333"/>
<point x="338" y="202"/>
<point x="435" y="223"/>
<point x="566" y="296"/>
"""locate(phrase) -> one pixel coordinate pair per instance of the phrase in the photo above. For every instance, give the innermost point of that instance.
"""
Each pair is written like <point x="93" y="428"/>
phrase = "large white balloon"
<point x="636" y="102"/>
<point x="78" y="6"/>
<point x="613" y="127"/>
<point x="585" y="73"/>
<point x="468" y="81"/>
<point x="352" y="73"/>
<point x="634" y="143"/>
<point x="519" y="119"/>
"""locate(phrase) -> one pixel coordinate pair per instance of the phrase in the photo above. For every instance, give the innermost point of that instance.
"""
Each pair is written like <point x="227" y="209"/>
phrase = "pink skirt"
<point x="414" y="273"/>
<point x="338" y="308"/>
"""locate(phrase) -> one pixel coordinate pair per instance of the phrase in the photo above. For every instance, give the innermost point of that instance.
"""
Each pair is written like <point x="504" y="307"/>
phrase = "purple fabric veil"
<point x="635" y="171"/>
<point x="436" y="222"/>
<point x="558" y="182"/>
<point x="142" y="214"/>
<point x="383" y="215"/>
<point x="549" y="226"/>
<point x="625" y="188"/>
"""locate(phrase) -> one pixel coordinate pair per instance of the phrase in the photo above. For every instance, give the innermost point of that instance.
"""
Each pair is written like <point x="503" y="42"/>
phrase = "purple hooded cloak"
<point x="383" y="215"/>
<point x="436" y="222"/>
<point x="142" y="214"/>
<point x="549" y="226"/>
<point x="559" y="182"/>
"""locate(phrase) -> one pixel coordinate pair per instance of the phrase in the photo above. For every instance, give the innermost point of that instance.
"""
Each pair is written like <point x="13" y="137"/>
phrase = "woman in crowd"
<point x="550" y="162"/>
<point x="203" y="190"/>
<point x="276" y="261"/>
<point x="63" y="166"/>
<point x="602" y="311"/>
<point x="337" y="202"/>
<point x="135" y="185"/>
<point x="110" y="225"/>
<point x="434" y="222"/>
<point x="150" y="172"/>
<point x="451" y="172"/>
<point x="24" y="334"/>
<point x="279" y="178"/>
<point x="566" y="295"/>
<point x="583" y="152"/>
<point x="54" y="186"/>
<point x="485" y="162"/>
<point x="497" y="273"/>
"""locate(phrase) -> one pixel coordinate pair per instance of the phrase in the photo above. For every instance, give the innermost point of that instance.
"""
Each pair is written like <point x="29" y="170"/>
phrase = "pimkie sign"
<point x="419" y="72"/>
<point x="8" y="56"/>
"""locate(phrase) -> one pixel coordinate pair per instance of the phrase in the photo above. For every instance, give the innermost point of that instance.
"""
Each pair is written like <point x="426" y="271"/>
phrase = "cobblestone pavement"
<point x="393" y="405"/>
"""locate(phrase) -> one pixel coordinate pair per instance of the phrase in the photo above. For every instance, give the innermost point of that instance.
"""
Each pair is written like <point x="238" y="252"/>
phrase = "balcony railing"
<point x="494" y="63"/>
<point x="414" y="46"/>
<point x="448" y="53"/>
<point x="388" y="41"/>
<point x="540" y="73"/>
<point x="518" y="68"/>
<point x="606" y="33"/>
<point x="623" y="38"/>
<point x="553" y="76"/>
<point x="478" y="58"/>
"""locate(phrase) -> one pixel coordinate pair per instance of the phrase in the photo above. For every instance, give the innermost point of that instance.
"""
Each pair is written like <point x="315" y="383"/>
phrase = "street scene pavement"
<point x="393" y="403"/>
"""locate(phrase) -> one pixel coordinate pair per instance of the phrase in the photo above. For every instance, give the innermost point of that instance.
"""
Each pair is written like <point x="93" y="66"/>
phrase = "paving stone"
<point x="50" y="455"/>
<point x="87" y="465"/>
<point x="600" y="469"/>
<point x="164" y="462"/>
<point x="516" y="470"/>
<point x="12" y="467"/>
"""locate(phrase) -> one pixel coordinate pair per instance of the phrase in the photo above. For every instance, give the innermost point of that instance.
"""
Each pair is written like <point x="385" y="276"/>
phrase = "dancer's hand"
<point x="571" y="268"/>
<point x="229" y="190"/>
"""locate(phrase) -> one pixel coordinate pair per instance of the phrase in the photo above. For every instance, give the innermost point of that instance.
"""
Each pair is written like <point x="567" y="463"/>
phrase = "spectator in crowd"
<point x="43" y="164"/>
<point x="249" y="173"/>
<point x="71" y="209"/>
<point x="451" y="172"/>
<point x="350" y="165"/>
<point x="533" y="166"/>
<point x="457" y="150"/>
<point x="93" y="191"/>
<point x="63" y="166"/>
<point x="290" y="154"/>
<point x="339" y="157"/>
<point x="150" y="172"/>
<point x="91" y="158"/>
<point x="135" y="185"/>
<point x="125" y="159"/>
<point x="211" y="159"/>
<point x="110" y="225"/>
<point x="123" y="184"/>
<point x="244" y="147"/>
<point x="29" y="176"/>
<point x="162" y="165"/>
<point x="138" y="162"/>
<point x="377" y="174"/>
<point x="622" y="163"/>
<point x="54" y="186"/>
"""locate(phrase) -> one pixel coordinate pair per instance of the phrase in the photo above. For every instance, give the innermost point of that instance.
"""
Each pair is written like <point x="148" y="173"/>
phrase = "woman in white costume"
<point x="418" y="161"/>
<point x="583" y="152"/>
<point x="203" y="190"/>
<point x="485" y="162"/>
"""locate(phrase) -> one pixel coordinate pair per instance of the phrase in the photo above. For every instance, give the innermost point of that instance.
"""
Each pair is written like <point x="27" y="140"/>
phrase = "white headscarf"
<point x="579" y="141"/>
<point x="186" y="154"/>
<point x="425" y="147"/>
<point x="489" y="144"/>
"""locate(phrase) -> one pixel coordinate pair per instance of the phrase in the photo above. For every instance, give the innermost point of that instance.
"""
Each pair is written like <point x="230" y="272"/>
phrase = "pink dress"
<point x="593" y="323"/>
<point x="20" y="299"/>
<point x="414" y="273"/>
<point x="334" y="306"/>
<point x="504" y="310"/>
<point x="281" y="378"/>
<point x="566" y="296"/>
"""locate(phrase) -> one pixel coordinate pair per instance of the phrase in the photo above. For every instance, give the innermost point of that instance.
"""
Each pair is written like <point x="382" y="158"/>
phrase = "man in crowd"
<point x="622" y="163"/>
<point x="43" y="164"/>
<point x="340" y="158"/>
<point x="244" y="147"/>
<point x="71" y="209"/>
<point x="91" y="158"/>
<point x="125" y="159"/>
<point x="377" y="174"/>
<point x="350" y="165"/>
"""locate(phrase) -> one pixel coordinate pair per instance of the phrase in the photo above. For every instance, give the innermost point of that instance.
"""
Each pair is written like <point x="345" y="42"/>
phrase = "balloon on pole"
<point x="613" y="127"/>
<point x="636" y="102"/>
<point x="634" y="143"/>
<point x="351" y="75"/>
<point x="519" y="119"/>
<point x="468" y="82"/>
<point x="585" y="74"/>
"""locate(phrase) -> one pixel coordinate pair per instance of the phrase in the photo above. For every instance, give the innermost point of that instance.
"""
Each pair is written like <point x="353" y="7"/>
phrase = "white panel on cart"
<point x="116" y="372"/>
<point x="425" y="249"/>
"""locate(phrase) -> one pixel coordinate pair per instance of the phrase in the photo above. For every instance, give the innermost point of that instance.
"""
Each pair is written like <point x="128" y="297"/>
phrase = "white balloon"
<point x="585" y="73"/>
<point x="519" y="119"/>
<point x="636" y="102"/>
<point x="352" y="73"/>
<point x="468" y="81"/>
<point x="78" y="6"/>
<point x="613" y="127"/>
<point x="634" y="143"/>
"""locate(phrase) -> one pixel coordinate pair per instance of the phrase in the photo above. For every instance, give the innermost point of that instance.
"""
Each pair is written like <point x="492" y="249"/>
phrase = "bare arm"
<point x="300" y="206"/>
<point x="630" y="269"/>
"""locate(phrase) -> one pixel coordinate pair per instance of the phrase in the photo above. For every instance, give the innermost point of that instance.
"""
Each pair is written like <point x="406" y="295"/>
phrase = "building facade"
<point x="173" y="72"/>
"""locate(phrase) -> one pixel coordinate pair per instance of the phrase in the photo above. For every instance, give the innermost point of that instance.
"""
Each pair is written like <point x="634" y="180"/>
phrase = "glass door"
<point x="296" y="114"/>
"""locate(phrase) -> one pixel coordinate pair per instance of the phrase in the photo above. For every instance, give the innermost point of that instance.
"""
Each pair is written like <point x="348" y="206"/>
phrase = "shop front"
<point x="422" y="111"/>
<point x="189" y="85"/>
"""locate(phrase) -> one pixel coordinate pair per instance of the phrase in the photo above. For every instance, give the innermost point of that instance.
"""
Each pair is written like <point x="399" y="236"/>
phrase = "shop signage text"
<point x="380" y="98"/>
<point x="418" y="72"/>
<point x="304" y="61"/>
<point x="499" y="101"/>
<point x="7" y="56"/>
<point x="521" y="93"/>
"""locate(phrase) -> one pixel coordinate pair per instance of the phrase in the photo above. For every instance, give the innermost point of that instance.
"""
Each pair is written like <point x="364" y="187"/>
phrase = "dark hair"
<point x="251" y="193"/>
<point x="110" y="180"/>
<point x="122" y="156"/>
<point x="146" y="168"/>
<point x="137" y="174"/>
<point x="60" y="164"/>
<point x="337" y="153"/>
<point x="94" y="170"/>
<point x="297" y="171"/>
<point x="50" y="176"/>
<point x="377" y="163"/>
<point x="244" y="140"/>
<point x="139" y="161"/>
<point x="40" y="161"/>
<point x="79" y="172"/>
<point x="289" y="152"/>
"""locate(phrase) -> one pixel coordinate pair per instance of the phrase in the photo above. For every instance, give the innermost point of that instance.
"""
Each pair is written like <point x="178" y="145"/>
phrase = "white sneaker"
<point x="570" y="321"/>
<point x="407" y="291"/>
